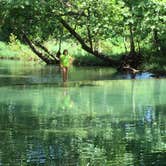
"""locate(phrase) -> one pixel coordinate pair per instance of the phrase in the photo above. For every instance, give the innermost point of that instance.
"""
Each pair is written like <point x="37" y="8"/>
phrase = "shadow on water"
<point x="116" y="122"/>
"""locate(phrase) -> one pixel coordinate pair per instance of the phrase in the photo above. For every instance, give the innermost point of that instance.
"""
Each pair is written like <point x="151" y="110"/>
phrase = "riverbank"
<point x="157" y="68"/>
<point x="14" y="50"/>
<point x="155" y="65"/>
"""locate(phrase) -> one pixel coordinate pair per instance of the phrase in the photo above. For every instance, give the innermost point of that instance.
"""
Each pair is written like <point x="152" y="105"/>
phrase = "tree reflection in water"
<point x="114" y="123"/>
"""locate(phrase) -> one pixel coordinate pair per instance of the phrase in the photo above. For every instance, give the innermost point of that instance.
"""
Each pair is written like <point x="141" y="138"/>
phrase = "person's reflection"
<point x="66" y="102"/>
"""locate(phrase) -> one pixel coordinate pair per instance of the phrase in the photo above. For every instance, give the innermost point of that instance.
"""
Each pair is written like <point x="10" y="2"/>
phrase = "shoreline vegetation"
<point x="15" y="50"/>
<point x="126" y="35"/>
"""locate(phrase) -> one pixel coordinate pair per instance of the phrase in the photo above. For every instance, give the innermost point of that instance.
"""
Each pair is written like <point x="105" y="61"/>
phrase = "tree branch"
<point x="76" y="35"/>
<point x="38" y="53"/>
<point x="46" y="50"/>
<point x="107" y="59"/>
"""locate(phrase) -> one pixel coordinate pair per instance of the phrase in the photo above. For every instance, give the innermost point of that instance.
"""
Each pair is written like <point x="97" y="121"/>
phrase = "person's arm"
<point x="71" y="60"/>
<point x="60" y="61"/>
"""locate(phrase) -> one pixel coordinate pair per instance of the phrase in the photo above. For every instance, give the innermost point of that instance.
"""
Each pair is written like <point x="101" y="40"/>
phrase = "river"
<point x="98" y="118"/>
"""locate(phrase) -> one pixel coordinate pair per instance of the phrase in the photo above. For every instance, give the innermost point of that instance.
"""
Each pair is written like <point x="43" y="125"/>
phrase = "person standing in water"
<point x="65" y="62"/>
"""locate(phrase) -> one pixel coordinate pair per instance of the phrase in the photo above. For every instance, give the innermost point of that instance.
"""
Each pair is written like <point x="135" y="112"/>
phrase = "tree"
<point x="154" y="23"/>
<point x="86" y="21"/>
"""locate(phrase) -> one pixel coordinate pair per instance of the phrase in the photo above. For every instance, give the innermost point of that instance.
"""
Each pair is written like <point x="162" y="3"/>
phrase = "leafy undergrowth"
<point x="16" y="50"/>
<point x="156" y="65"/>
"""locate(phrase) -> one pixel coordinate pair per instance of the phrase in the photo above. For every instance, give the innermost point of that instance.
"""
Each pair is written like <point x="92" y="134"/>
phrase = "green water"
<point x="83" y="123"/>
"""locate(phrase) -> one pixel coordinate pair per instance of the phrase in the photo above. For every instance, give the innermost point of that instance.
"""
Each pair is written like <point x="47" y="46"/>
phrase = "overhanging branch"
<point x="37" y="52"/>
<point x="107" y="59"/>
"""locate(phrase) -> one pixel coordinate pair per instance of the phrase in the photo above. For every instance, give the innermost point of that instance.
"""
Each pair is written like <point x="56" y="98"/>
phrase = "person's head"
<point x="65" y="52"/>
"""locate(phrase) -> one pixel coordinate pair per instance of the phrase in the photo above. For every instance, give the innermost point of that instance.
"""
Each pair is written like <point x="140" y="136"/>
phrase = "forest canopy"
<point x="138" y="24"/>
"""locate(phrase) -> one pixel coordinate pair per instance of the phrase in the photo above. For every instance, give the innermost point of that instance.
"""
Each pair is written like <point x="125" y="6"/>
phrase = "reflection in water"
<point x="66" y="102"/>
<point x="18" y="73"/>
<point x="113" y="123"/>
<point x="93" y="125"/>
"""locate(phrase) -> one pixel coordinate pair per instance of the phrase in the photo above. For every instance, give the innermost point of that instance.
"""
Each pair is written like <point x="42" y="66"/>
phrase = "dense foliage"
<point x="139" y="25"/>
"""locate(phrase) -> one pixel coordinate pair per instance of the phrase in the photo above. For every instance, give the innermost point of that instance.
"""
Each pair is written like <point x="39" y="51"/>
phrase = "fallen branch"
<point x="131" y="69"/>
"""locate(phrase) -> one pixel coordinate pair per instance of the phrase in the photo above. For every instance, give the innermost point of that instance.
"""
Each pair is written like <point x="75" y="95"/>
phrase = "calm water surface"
<point x="99" y="118"/>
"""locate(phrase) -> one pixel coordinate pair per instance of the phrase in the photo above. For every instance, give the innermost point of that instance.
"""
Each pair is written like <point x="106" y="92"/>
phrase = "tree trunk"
<point x="139" y="48"/>
<point x="47" y="51"/>
<point x="88" y="30"/>
<point x="125" y="46"/>
<point x="42" y="56"/>
<point x="157" y="42"/>
<point x="132" y="44"/>
<point x="87" y="48"/>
